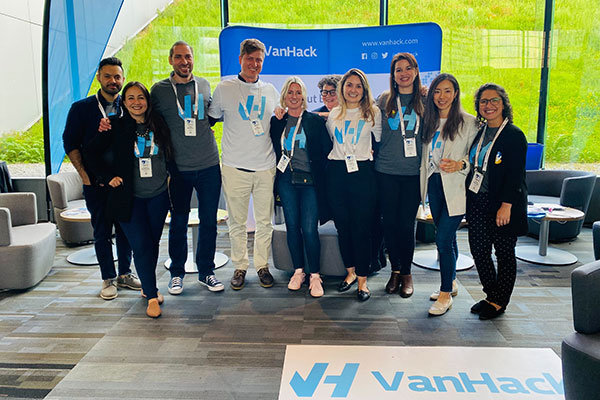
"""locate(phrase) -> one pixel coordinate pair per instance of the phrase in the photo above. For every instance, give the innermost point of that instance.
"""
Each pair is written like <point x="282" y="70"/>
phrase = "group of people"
<point x="367" y="164"/>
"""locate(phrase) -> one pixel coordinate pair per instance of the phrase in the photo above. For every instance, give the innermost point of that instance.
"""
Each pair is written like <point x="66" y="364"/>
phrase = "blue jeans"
<point x="96" y="198"/>
<point x="445" y="237"/>
<point x="207" y="183"/>
<point x="143" y="232"/>
<point x="301" y="213"/>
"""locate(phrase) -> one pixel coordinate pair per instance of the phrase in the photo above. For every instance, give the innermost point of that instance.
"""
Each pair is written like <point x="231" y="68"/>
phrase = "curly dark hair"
<point x="507" y="111"/>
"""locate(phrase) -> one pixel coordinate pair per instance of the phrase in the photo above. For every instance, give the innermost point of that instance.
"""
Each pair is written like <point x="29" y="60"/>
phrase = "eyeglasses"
<point x="328" y="92"/>
<point x="495" y="101"/>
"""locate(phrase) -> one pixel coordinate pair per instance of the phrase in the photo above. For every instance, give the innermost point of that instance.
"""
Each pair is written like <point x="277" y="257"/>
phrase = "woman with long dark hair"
<point x="301" y="145"/>
<point x="447" y="136"/>
<point x="496" y="198"/>
<point x="136" y="171"/>
<point x="351" y="188"/>
<point x="397" y="163"/>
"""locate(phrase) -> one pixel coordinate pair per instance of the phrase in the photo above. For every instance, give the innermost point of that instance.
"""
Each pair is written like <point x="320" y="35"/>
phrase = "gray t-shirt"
<point x="390" y="158"/>
<point x="485" y="147"/>
<point x="191" y="153"/>
<point x="300" y="162"/>
<point x="157" y="183"/>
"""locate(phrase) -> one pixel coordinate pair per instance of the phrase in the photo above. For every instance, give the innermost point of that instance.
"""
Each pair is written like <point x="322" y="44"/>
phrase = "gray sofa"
<point x="581" y="349"/>
<point x="26" y="246"/>
<point x="66" y="191"/>
<point x="567" y="188"/>
<point x="596" y="239"/>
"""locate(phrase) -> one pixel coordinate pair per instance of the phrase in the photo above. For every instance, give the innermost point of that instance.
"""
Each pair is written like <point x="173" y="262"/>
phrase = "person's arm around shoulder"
<point x="215" y="110"/>
<point x="377" y="128"/>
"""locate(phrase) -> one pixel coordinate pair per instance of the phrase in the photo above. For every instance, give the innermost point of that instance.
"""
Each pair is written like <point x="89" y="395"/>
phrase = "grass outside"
<point x="499" y="43"/>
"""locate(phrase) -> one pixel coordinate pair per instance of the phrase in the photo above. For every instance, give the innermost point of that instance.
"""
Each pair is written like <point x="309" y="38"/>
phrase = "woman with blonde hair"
<point x="350" y="177"/>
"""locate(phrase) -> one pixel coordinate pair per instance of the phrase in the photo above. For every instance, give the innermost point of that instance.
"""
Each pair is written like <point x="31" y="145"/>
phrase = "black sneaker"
<point x="265" y="277"/>
<point x="212" y="283"/>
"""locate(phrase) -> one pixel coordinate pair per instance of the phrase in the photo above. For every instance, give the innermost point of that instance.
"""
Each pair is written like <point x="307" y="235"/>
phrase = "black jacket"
<point x="318" y="147"/>
<point x="506" y="174"/>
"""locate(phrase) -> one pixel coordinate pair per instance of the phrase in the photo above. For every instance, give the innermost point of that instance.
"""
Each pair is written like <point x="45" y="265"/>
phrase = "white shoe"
<point x="434" y="296"/>
<point x="439" y="308"/>
<point x="296" y="280"/>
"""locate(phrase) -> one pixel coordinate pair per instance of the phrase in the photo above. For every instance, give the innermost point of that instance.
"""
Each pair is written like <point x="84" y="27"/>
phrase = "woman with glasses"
<point x="448" y="132"/>
<point x="350" y="177"/>
<point x="328" y="89"/>
<point x="301" y="144"/>
<point x="397" y="164"/>
<point x="496" y="198"/>
<point x="136" y="172"/>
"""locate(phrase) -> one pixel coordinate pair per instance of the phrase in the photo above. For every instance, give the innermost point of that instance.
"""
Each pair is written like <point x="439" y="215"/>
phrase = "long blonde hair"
<point x="367" y="103"/>
<point x="286" y="86"/>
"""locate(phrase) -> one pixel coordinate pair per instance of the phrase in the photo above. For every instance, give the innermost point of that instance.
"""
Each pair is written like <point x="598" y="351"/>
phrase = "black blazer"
<point x="318" y="147"/>
<point x="507" y="177"/>
<point x="118" y="142"/>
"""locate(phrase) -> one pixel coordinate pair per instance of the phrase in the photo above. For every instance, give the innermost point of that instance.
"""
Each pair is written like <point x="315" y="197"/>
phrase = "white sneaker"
<point x="438" y="308"/>
<point x="175" y="286"/>
<point x="109" y="289"/>
<point x="434" y="296"/>
<point x="297" y="280"/>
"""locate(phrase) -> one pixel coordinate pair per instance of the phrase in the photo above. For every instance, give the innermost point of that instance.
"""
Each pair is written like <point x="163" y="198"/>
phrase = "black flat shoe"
<point x="477" y="307"/>
<point x="488" y="311"/>
<point x="344" y="286"/>
<point x="362" y="295"/>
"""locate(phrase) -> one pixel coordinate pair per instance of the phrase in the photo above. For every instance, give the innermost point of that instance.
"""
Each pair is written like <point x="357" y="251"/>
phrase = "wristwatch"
<point x="464" y="165"/>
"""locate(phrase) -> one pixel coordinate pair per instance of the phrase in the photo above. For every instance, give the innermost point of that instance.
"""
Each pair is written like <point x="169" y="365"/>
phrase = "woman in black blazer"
<point x="131" y="158"/>
<point x="496" y="198"/>
<point x="301" y="144"/>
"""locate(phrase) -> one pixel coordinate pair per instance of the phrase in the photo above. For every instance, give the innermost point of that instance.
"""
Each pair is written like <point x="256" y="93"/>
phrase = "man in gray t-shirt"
<point x="183" y="100"/>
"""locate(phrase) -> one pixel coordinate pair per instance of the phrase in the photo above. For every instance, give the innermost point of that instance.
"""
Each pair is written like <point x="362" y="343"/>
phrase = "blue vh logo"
<point x="340" y="135"/>
<point x="188" y="107"/>
<point x="343" y="382"/>
<point x="300" y="138"/>
<point x="251" y="107"/>
<point x="410" y="120"/>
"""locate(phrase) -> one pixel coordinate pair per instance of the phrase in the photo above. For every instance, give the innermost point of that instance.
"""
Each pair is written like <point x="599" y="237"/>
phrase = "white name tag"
<point x="257" y="127"/>
<point x="190" y="126"/>
<point x="476" y="182"/>
<point x="351" y="163"/>
<point x="283" y="163"/>
<point x="410" y="147"/>
<point x="145" y="167"/>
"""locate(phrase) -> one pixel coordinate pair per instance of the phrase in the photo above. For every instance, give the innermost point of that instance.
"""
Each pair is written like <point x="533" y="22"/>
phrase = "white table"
<point x="542" y="254"/>
<point x="85" y="256"/>
<point x="429" y="259"/>
<point x="190" y="264"/>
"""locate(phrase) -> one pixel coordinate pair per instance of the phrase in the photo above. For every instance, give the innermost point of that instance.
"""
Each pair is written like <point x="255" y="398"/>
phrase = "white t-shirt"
<point x="352" y="134"/>
<point x="240" y="146"/>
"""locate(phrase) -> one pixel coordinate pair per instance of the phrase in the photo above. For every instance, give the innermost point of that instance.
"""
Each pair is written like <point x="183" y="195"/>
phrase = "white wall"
<point x="21" y="49"/>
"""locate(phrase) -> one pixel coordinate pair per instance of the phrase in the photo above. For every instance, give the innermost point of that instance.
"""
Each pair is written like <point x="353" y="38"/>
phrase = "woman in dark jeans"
<point x="301" y="144"/>
<point x="139" y="147"/>
<point x="496" y="198"/>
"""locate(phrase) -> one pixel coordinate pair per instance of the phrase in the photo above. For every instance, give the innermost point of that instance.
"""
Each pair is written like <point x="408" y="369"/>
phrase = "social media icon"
<point x="364" y="56"/>
<point x="374" y="55"/>
<point x="384" y="55"/>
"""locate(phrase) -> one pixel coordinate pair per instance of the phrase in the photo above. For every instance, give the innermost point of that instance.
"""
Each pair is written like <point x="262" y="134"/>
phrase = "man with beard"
<point x="81" y="126"/>
<point x="183" y="99"/>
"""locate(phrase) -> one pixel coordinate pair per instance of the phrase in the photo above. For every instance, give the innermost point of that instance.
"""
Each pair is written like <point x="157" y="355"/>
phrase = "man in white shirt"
<point x="245" y="104"/>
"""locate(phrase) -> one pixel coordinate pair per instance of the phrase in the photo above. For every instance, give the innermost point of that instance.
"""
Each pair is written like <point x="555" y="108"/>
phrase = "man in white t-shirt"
<point x="246" y="104"/>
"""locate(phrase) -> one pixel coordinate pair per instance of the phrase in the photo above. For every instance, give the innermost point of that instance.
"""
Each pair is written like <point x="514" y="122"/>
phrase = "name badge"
<point x="351" y="163"/>
<point x="410" y="147"/>
<point x="283" y="163"/>
<point x="145" y="167"/>
<point x="476" y="182"/>
<point x="190" y="126"/>
<point x="257" y="127"/>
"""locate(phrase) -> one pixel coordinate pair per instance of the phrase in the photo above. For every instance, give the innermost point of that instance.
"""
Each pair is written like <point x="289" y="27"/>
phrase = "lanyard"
<point x="487" y="155"/>
<point x="293" y="138"/>
<point x="102" y="111"/>
<point x="136" y="149"/>
<point x="179" y="108"/>
<point x="402" y="127"/>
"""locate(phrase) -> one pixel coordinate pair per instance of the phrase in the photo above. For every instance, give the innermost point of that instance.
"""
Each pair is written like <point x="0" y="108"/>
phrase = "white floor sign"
<point x="376" y="372"/>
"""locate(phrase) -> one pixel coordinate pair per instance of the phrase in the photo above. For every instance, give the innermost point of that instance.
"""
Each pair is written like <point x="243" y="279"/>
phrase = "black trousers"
<point x="399" y="198"/>
<point x="352" y="198"/>
<point x="498" y="283"/>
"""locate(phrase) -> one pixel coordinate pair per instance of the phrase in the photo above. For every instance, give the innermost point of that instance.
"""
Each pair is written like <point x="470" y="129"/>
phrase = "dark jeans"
<point x="352" y="198"/>
<point x="301" y="213"/>
<point x="96" y="198"/>
<point x="143" y="231"/>
<point x="207" y="183"/>
<point x="445" y="236"/>
<point x="399" y="198"/>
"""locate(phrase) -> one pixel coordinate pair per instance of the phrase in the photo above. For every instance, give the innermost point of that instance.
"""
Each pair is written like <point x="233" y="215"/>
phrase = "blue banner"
<point x="313" y="53"/>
